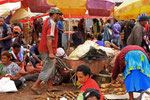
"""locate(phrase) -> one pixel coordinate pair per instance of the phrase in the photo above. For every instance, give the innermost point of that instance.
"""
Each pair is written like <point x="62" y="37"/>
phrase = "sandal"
<point x="36" y="91"/>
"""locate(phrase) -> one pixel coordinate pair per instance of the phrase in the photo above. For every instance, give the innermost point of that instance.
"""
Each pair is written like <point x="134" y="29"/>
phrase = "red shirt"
<point x="49" y="29"/>
<point x="90" y="83"/>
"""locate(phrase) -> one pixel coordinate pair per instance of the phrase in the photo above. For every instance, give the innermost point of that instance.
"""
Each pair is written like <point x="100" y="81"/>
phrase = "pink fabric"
<point x="100" y="7"/>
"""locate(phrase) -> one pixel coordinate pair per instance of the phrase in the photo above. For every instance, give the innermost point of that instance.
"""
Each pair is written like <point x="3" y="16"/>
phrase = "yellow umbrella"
<point x="19" y="15"/>
<point x="70" y="7"/>
<point x="4" y="11"/>
<point x="130" y="9"/>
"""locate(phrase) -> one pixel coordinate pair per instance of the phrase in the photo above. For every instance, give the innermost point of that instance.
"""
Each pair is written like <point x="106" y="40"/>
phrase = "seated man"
<point x="34" y="53"/>
<point x="10" y="69"/>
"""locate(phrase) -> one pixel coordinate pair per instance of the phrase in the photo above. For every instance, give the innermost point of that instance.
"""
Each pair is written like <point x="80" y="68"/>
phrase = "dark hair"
<point x="91" y="92"/>
<point x="16" y="45"/>
<point x="75" y="28"/>
<point x="88" y="36"/>
<point x="85" y="69"/>
<point x="115" y="20"/>
<point x="37" y="42"/>
<point x="2" y="17"/>
<point x="6" y="53"/>
<point x="51" y="14"/>
<point x="108" y="21"/>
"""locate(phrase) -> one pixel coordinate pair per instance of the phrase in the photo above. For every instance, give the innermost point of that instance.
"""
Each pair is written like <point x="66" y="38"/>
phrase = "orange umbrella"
<point x="70" y="7"/>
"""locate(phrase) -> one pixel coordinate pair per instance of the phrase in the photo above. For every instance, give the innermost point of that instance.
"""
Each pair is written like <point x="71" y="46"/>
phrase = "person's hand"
<point x="51" y="56"/>
<point x="9" y="76"/>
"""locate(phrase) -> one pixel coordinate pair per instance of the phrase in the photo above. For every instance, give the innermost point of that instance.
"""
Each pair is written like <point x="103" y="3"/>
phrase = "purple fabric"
<point x="116" y="30"/>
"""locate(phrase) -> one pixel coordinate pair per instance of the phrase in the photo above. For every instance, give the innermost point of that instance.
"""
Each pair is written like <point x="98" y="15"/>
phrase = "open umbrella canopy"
<point x="38" y="6"/>
<point x="100" y="7"/>
<point x="8" y="1"/>
<point x="72" y="7"/>
<point x="130" y="9"/>
<point x="4" y="11"/>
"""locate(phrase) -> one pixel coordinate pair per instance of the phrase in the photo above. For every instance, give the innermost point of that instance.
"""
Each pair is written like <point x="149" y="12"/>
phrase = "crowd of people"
<point x="40" y="62"/>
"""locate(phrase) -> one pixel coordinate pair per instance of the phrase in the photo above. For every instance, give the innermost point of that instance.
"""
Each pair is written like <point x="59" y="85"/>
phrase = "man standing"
<point x="48" y="49"/>
<point x="5" y="35"/>
<point x="34" y="53"/>
<point x="137" y="34"/>
<point x="60" y="26"/>
<point x="116" y="33"/>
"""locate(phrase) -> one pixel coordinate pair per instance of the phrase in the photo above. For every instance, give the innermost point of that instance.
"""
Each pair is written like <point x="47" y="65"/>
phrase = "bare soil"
<point x="26" y="94"/>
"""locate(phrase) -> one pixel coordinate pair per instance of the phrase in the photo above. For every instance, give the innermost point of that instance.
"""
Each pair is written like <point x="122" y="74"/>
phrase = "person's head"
<point x="60" y="53"/>
<point x="94" y="20"/>
<point x="37" y="43"/>
<point x="16" y="46"/>
<point x="143" y="19"/>
<point x="133" y="20"/>
<point x="61" y="18"/>
<point x="41" y="19"/>
<point x="108" y="21"/>
<point x="16" y="30"/>
<point x="55" y="13"/>
<point x="2" y="21"/>
<point x="88" y="36"/>
<point x="91" y="94"/>
<point x="82" y="20"/>
<point x="92" y="36"/>
<point x="83" y="73"/>
<point x="115" y="20"/>
<point x="75" y="28"/>
<point x="5" y="56"/>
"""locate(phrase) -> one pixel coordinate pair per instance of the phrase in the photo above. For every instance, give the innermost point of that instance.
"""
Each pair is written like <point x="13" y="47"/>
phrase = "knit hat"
<point x="17" y="29"/>
<point x="90" y="92"/>
<point x="143" y="17"/>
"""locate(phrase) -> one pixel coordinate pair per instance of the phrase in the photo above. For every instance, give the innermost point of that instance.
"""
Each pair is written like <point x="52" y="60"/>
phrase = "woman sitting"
<point x="84" y="77"/>
<point x="10" y="69"/>
<point x="19" y="56"/>
<point x="133" y="62"/>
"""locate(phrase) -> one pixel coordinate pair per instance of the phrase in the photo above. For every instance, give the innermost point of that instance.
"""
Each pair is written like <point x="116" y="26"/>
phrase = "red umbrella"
<point x="8" y="1"/>
<point x="39" y="6"/>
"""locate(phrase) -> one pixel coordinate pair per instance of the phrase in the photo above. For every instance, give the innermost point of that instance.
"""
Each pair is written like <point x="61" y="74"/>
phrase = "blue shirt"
<point x="116" y="30"/>
<point x="61" y="26"/>
<point x="34" y="49"/>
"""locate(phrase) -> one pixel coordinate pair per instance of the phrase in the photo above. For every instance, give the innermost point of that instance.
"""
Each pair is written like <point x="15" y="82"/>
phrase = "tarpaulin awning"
<point x="130" y="9"/>
<point x="4" y="11"/>
<point x="19" y="15"/>
<point x="8" y="1"/>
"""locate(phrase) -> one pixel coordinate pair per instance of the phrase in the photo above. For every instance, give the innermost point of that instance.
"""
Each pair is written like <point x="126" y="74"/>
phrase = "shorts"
<point x="48" y="70"/>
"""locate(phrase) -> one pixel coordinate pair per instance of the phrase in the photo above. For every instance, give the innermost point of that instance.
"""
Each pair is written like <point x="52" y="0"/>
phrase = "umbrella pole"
<point x="69" y="41"/>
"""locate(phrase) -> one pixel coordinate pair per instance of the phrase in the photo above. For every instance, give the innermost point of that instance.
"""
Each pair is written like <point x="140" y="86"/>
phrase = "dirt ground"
<point x="26" y="94"/>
